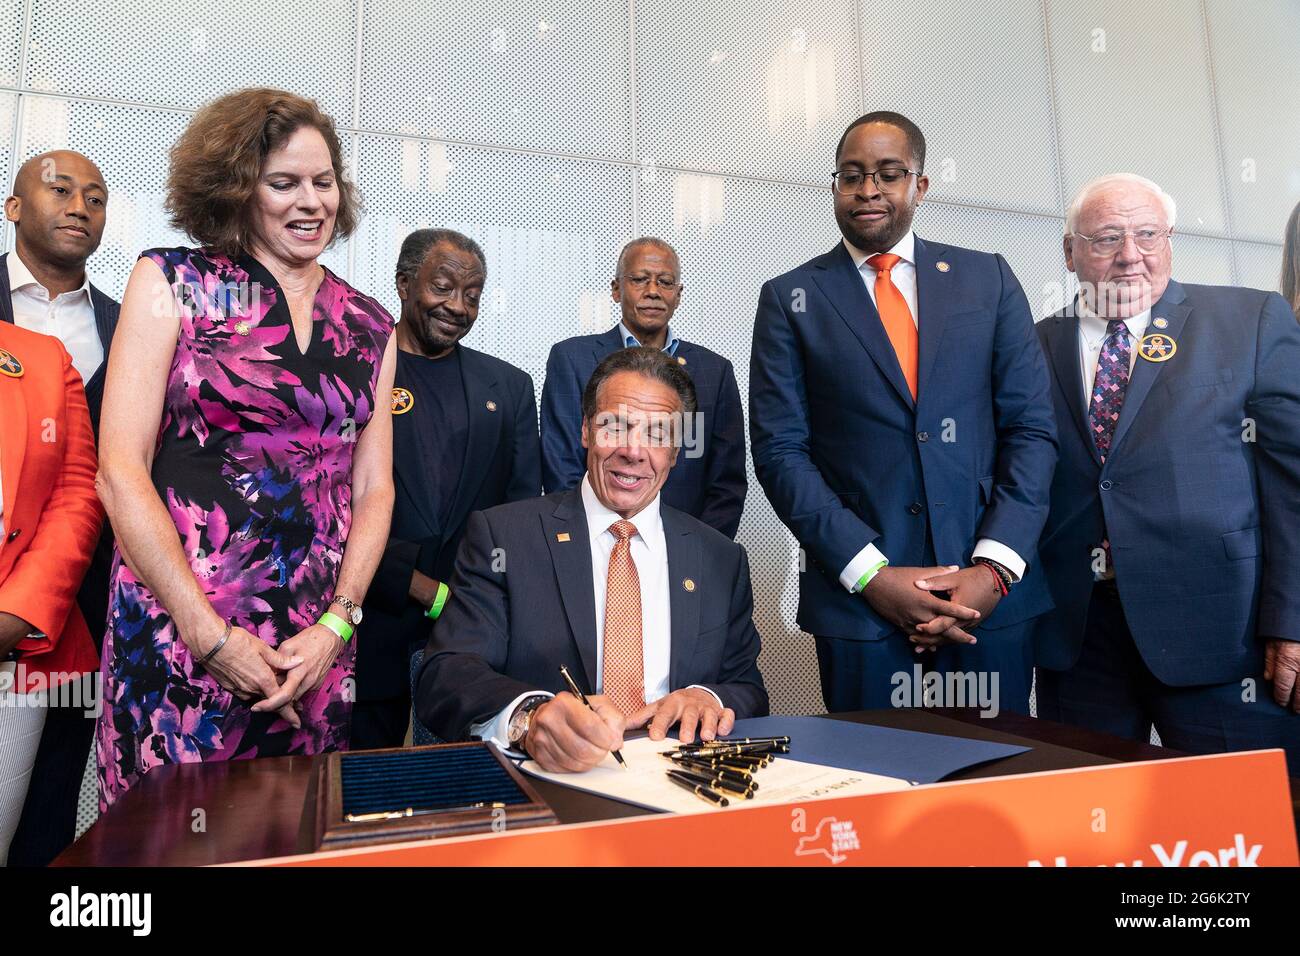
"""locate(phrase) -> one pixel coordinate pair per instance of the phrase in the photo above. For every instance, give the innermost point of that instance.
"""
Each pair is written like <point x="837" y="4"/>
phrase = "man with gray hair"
<point x="1172" y="548"/>
<point x="464" y="438"/>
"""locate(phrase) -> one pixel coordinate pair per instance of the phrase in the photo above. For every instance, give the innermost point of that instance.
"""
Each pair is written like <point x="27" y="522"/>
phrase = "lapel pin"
<point x="562" y="536"/>
<point x="689" y="584"/>
<point x="242" y="327"/>
<point x="491" y="406"/>
<point x="680" y="360"/>
<point x="1161" y="323"/>
<point x="1157" y="347"/>
<point x="9" y="364"/>
<point x="942" y="266"/>
<point x="403" y="401"/>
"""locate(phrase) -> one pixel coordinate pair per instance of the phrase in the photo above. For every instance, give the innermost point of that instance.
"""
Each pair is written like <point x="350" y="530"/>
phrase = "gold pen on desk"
<point x="412" y="812"/>
<point x="577" y="692"/>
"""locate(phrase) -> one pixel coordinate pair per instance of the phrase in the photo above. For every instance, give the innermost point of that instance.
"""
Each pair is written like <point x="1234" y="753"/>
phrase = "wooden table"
<point x="197" y="814"/>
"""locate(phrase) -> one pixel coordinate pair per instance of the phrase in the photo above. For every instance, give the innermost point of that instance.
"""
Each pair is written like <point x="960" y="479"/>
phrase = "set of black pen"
<point x="711" y="767"/>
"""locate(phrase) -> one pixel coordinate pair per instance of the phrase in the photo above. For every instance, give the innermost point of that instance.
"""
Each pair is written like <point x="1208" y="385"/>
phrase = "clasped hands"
<point x="912" y="599"/>
<point x="565" y="736"/>
<point x="249" y="667"/>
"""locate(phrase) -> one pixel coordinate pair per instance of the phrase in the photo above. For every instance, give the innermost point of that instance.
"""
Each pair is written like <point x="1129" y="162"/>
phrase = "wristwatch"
<point x="352" y="608"/>
<point x="521" y="719"/>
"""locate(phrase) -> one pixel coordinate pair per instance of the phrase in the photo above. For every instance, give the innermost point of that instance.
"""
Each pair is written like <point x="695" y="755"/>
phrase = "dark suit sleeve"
<point x="1025" y="423"/>
<point x="461" y="683"/>
<point x="526" y="470"/>
<point x="390" y="588"/>
<point x="1274" y="404"/>
<point x="740" y="685"/>
<point x="725" y="482"/>
<point x="562" y="463"/>
<point x="779" y="433"/>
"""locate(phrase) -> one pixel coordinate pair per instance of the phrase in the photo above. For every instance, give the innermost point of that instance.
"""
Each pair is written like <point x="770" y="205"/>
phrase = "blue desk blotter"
<point x="906" y="754"/>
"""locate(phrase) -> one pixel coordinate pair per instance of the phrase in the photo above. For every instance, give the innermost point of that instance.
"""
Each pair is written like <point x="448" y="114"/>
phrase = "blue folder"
<point x="906" y="754"/>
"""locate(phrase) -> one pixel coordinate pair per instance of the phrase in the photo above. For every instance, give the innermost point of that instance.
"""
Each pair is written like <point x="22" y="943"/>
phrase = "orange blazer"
<point x="51" y="512"/>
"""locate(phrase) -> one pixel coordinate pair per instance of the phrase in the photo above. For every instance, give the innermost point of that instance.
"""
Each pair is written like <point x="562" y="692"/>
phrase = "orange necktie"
<point x="896" y="317"/>
<point x="624" y="667"/>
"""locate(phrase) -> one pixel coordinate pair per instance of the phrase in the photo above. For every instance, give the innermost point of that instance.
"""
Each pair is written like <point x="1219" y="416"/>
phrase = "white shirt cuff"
<point x="862" y="562"/>
<point x="702" y="687"/>
<point x="497" y="729"/>
<point x="988" y="548"/>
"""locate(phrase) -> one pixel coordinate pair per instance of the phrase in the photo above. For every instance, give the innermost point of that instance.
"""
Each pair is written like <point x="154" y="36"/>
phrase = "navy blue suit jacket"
<point x="710" y="487"/>
<point x="501" y="463"/>
<point x="508" y="628"/>
<point x="1204" y="526"/>
<point x="847" y="458"/>
<point x="92" y="597"/>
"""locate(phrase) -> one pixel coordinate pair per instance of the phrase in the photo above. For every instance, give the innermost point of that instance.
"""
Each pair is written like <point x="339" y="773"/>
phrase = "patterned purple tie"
<point x="1109" y="385"/>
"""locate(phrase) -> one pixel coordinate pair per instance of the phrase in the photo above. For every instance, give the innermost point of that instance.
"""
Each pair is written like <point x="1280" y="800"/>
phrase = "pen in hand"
<point x="577" y="692"/>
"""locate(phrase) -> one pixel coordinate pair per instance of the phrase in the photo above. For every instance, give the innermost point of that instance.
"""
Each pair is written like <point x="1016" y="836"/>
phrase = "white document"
<point x="645" y="782"/>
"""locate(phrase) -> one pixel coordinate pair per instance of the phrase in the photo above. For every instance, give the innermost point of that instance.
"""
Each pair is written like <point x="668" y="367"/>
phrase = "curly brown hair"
<point x="217" y="162"/>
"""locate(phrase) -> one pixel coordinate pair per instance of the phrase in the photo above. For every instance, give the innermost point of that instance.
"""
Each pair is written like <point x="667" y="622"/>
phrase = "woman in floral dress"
<point x="245" y="458"/>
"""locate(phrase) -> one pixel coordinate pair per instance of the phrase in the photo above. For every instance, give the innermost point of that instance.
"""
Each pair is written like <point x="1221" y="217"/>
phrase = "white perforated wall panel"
<point x="1257" y="73"/>
<point x="1133" y="93"/>
<point x="763" y="89"/>
<point x="993" y="149"/>
<point x="552" y="132"/>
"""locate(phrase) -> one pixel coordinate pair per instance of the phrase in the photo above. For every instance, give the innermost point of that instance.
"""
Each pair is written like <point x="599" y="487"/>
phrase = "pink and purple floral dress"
<point x="254" y="462"/>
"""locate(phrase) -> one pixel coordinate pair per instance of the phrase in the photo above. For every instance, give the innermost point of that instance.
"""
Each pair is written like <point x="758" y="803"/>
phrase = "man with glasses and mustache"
<point x="708" y="481"/>
<point x="1172" y="548"/>
<point x="900" y="426"/>
<point x="464" y="438"/>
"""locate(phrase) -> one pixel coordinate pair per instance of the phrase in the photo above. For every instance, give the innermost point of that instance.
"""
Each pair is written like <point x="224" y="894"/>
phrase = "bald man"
<point x="58" y="207"/>
<point x="1172" y="548"/>
<point x="708" y="481"/>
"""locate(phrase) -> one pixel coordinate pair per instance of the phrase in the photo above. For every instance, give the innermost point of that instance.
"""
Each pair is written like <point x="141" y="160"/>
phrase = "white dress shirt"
<point x="650" y="554"/>
<point x="70" y="318"/>
<point x="903" y="275"/>
<point x="1092" y="333"/>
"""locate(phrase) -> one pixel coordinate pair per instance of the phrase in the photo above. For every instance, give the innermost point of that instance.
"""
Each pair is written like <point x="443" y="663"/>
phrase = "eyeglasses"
<point x="848" y="181"/>
<point x="1108" y="243"/>
<point x="668" y="284"/>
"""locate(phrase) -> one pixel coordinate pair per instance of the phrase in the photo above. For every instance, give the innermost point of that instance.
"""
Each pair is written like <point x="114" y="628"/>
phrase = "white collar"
<point x="20" y="276"/>
<point x="1094" y="326"/>
<point x="905" y="249"/>
<point x="648" y="521"/>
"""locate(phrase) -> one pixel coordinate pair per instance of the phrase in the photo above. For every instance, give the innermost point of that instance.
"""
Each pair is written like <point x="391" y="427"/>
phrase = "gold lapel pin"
<point x="942" y="266"/>
<point x="403" y="401"/>
<point x="1161" y="323"/>
<point x="689" y="584"/>
<point x="491" y="406"/>
<point x="680" y="360"/>
<point x="1157" y="347"/>
<point x="562" y="536"/>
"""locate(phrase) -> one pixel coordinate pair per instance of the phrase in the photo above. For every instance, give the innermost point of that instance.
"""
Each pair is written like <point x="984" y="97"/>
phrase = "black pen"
<point x="705" y="793"/>
<point x="577" y="692"/>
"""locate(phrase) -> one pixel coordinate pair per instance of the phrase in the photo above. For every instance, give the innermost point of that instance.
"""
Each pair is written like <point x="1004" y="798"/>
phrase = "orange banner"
<point x="1223" y="810"/>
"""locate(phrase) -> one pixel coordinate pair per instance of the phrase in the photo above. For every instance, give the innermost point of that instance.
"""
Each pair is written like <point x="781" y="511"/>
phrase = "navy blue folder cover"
<point x="906" y="754"/>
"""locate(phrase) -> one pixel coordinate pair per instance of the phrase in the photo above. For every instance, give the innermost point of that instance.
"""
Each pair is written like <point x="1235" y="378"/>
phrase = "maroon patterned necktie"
<point x="1109" y="385"/>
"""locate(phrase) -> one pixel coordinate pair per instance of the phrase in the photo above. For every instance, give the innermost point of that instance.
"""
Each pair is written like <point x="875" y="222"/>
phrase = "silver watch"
<point x="352" y="608"/>
<point x="521" y="719"/>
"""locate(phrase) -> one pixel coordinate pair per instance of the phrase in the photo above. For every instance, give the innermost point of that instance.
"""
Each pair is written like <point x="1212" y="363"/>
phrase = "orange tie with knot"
<point x="896" y="317"/>
<point x="624" y="668"/>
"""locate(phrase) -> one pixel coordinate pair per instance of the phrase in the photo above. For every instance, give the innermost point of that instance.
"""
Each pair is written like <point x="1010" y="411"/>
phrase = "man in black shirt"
<point x="464" y="439"/>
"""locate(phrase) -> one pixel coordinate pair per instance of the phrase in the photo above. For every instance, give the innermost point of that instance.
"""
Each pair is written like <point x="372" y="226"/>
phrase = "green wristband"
<point x="336" y="624"/>
<point x="866" y="578"/>
<point x="439" y="600"/>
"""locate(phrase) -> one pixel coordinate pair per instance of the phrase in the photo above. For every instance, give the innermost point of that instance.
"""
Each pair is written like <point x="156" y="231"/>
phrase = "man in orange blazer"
<point x="49" y="522"/>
